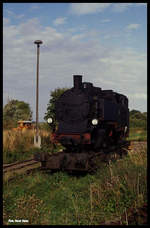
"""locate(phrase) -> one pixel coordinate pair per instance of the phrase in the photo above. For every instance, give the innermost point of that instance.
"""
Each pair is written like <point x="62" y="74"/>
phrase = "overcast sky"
<point x="104" y="42"/>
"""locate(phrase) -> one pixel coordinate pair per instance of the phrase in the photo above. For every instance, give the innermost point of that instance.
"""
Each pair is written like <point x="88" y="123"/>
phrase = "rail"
<point x="10" y="170"/>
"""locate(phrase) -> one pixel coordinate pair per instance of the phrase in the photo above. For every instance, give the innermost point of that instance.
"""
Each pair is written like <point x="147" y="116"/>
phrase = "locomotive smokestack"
<point x="77" y="81"/>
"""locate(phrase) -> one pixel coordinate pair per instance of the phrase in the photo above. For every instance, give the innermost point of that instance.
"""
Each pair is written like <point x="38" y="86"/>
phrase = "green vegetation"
<point x="138" y="119"/>
<point x="137" y="125"/>
<point x="63" y="199"/>
<point x="137" y="134"/>
<point x="54" y="95"/>
<point x="15" y="110"/>
<point x="19" y="146"/>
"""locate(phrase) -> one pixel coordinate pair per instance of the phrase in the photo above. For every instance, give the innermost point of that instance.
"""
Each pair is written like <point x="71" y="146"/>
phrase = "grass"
<point x="16" y="145"/>
<point x="137" y="134"/>
<point x="19" y="146"/>
<point x="63" y="199"/>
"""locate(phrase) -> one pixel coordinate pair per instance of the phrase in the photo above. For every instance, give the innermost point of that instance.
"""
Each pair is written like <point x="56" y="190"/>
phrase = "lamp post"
<point x="37" y="42"/>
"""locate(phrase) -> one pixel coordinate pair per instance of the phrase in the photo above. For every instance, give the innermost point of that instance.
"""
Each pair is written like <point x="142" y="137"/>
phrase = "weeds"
<point x="137" y="134"/>
<point x="62" y="199"/>
<point x="28" y="207"/>
<point x="19" y="145"/>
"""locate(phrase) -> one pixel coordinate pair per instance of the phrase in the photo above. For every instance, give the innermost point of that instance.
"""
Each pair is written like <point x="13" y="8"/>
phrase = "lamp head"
<point x="38" y="42"/>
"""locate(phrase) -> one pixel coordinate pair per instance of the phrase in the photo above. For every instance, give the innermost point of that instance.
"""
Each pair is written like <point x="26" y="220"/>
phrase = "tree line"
<point x="138" y="119"/>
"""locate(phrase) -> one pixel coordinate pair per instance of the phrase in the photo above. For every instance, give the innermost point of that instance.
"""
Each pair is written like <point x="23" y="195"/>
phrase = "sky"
<point x="104" y="42"/>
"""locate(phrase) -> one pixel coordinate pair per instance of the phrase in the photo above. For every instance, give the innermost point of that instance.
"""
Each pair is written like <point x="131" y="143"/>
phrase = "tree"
<point x="135" y="114"/>
<point x="54" y="95"/>
<point x="138" y="119"/>
<point x="14" y="111"/>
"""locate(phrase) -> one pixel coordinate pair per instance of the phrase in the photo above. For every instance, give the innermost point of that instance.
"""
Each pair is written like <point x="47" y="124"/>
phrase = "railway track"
<point x="10" y="170"/>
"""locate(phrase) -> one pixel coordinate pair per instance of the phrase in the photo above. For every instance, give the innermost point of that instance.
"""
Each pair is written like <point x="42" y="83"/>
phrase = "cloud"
<point x="6" y="21"/>
<point x="20" y="16"/>
<point x="59" y="21"/>
<point x="88" y="8"/>
<point x="34" y="6"/>
<point x="63" y="54"/>
<point x="141" y="4"/>
<point x="120" y="7"/>
<point x="105" y="20"/>
<point x="140" y="96"/>
<point x="10" y="13"/>
<point x="78" y="36"/>
<point x="133" y="26"/>
<point x="13" y="15"/>
<point x="91" y="8"/>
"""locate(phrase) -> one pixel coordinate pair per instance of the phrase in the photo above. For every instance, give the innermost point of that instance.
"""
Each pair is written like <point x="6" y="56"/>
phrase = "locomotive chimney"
<point x="77" y="81"/>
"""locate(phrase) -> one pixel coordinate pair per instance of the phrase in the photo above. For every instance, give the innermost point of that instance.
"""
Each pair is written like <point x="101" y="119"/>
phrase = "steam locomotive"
<point x="88" y="116"/>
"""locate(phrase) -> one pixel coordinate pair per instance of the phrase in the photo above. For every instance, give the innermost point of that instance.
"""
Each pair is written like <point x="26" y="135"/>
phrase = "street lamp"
<point x="37" y="42"/>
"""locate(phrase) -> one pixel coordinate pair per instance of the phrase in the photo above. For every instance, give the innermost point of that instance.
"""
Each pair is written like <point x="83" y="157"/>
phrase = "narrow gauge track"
<point x="9" y="170"/>
<point x="28" y="165"/>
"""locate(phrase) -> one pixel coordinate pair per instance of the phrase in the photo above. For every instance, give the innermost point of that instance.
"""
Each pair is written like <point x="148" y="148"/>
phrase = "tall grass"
<point x="13" y="140"/>
<point x="19" y="145"/>
<point x="137" y="134"/>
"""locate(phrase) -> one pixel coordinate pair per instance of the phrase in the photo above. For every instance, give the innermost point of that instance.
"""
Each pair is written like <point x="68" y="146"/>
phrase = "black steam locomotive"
<point x="90" y="122"/>
<point x="90" y="116"/>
